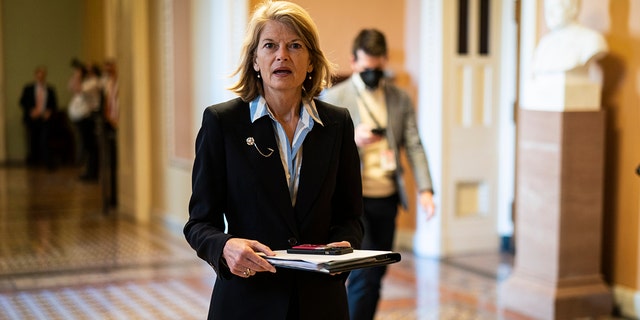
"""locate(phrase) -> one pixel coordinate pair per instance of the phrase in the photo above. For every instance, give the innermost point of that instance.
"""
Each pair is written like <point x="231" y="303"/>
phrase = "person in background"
<point x="85" y="102"/>
<point x="275" y="168"/>
<point x="111" y="114"/>
<point x="385" y="123"/>
<point x="38" y="102"/>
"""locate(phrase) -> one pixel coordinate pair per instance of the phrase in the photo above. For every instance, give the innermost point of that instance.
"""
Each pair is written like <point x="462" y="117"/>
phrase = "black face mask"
<point x="372" y="77"/>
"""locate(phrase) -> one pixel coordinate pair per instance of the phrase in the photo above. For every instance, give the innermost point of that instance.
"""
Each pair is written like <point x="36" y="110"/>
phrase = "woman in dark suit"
<point x="275" y="168"/>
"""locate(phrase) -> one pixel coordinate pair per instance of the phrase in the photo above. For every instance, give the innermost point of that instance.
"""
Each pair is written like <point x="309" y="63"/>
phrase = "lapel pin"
<point x="252" y="142"/>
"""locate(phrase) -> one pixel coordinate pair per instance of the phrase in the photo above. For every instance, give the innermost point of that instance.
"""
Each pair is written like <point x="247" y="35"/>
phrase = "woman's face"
<point x="281" y="58"/>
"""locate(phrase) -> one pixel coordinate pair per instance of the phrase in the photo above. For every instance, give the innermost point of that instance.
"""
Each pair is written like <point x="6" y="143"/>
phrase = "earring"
<point x="309" y="76"/>
<point x="258" y="73"/>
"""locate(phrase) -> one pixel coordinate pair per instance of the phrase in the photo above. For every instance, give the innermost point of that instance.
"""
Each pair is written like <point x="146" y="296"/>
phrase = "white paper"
<point x="317" y="262"/>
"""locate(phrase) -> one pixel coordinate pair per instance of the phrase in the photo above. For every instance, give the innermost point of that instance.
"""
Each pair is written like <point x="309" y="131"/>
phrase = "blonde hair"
<point x="297" y="19"/>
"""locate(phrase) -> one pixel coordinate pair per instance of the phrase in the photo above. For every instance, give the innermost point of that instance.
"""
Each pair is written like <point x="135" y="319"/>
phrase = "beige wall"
<point x="36" y="33"/>
<point x="621" y="99"/>
<point x="93" y="31"/>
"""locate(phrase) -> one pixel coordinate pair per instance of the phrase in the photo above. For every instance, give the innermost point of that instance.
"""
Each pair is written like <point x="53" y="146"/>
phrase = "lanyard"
<point x="364" y="103"/>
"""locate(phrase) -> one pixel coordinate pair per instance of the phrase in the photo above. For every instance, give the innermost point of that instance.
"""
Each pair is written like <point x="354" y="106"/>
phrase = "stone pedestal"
<point x="560" y="168"/>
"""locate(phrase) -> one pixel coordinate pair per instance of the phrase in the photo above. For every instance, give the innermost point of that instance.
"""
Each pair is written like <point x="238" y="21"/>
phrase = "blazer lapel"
<point x="317" y="153"/>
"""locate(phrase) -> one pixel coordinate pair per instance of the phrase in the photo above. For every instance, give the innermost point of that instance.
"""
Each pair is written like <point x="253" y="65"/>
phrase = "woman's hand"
<point x="339" y="244"/>
<point x="242" y="258"/>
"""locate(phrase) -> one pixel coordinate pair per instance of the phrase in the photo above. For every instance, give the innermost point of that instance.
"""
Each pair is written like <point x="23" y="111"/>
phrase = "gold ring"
<point x="247" y="272"/>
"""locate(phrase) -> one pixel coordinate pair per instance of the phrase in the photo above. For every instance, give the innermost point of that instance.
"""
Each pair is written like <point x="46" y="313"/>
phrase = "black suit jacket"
<point x="28" y="100"/>
<point x="232" y="180"/>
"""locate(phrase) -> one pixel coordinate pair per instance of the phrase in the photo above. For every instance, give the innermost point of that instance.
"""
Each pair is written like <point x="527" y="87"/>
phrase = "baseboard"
<point x="507" y="245"/>
<point x="627" y="301"/>
<point x="404" y="240"/>
<point x="173" y="224"/>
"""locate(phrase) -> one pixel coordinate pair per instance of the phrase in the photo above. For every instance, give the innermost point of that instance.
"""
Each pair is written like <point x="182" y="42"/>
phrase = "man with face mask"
<point x="385" y="123"/>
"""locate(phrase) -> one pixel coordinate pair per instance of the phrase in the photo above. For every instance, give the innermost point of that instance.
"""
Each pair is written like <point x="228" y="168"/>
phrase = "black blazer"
<point x="232" y="180"/>
<point x="28" y="100"/>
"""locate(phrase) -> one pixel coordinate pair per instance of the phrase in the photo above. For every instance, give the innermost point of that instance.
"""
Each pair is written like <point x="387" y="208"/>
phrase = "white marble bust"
<point x="565" y="76"/>
<point x="568" y="45"/>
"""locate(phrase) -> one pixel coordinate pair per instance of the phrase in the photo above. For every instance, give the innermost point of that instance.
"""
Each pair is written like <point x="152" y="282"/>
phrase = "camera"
<point x="379" y="131"/>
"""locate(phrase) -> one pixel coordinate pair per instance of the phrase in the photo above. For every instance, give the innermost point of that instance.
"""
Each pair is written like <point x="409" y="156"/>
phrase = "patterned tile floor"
<point x="62" y="258"/>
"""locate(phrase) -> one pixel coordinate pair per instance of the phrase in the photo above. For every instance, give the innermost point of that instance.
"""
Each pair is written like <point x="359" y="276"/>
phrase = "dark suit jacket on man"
<point x="233" y="180"/>
<point x="402" y="130"/>
<point x="28" y="100"/>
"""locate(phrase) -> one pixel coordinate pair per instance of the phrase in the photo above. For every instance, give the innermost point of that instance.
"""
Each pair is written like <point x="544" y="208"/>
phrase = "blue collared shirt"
<point x="290" y="151"/>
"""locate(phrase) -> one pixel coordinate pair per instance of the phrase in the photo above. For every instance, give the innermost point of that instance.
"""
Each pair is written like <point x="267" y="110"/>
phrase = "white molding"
<point x="627" y="301"/>
<point x="427" y="239"/>
<point x="507" y="128"/>
<point x="528" y="38"/>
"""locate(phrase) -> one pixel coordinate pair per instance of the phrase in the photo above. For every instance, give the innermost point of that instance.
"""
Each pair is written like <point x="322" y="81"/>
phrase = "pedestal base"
<point x="589" y="298"/>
